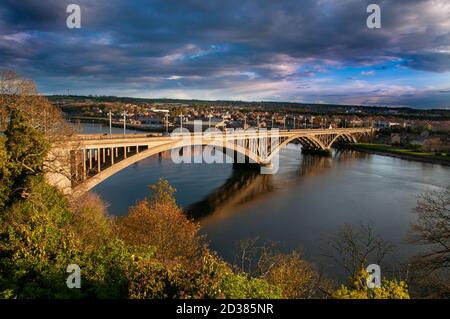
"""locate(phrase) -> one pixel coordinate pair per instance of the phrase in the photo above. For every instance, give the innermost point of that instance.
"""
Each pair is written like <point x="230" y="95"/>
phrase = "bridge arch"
<point x="310" y="141"/>
<point x="93" y="181"/>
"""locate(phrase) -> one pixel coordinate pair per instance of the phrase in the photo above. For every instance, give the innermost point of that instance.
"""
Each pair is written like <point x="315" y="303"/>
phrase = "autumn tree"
<point x="91" y="221"/>
<point x="20" y="94"/>
<point x="295" y="277"/>
<point x="158" y="222"/>
<point x="19" y="98"/>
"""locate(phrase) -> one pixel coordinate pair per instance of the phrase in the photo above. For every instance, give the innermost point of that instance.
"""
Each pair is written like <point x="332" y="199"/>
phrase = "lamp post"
<point x="167" y="123"/>
<point x="257" y="122"/>
<point x="110" y="122"/>
<point x="223" y="121"/>
<point x="284" y="122"/>
<point x="245" y="121"/>
<point x="294" y="122"/>
<point x="209" y="120"/>
<point x="181" y="121"/>
<point x="124" y="121"/>
<point x="272" y="121"/>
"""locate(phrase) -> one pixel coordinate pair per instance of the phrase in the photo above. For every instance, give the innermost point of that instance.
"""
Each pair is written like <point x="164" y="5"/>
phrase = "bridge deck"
<point x="120" y="138"/>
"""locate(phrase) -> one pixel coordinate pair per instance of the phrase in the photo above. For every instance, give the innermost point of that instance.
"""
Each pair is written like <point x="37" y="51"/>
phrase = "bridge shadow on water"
<point x="245" y="186"/>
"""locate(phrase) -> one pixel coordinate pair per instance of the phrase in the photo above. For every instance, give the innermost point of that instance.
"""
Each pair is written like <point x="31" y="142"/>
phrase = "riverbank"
<point x="393" y="151"/>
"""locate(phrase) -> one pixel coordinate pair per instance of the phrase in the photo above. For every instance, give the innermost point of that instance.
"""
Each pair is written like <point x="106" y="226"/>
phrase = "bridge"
<point x="85" y="161"/>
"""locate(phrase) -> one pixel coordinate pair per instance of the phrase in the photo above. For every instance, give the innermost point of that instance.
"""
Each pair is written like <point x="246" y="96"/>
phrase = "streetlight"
<point x="209" y="120"/>
<point x="294" y="122"/>
<point x="245" y="121"/>
<point x="167" y="123"/>
<point x="257" y="122"/>
<point x="272" y="121"/>
<point x="284" y="122"/>
<point x="124" y="121"/>
<point x="181" y="121"/>
<point x="110" y="122"/>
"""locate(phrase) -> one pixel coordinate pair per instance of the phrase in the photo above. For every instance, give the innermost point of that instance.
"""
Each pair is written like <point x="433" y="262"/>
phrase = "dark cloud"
<point x="216" y="45"/>
<point x="436" y="62"/>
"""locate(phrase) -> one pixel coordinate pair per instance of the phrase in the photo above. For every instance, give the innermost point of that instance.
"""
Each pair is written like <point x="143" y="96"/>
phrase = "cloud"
<point x="223" y="48"/>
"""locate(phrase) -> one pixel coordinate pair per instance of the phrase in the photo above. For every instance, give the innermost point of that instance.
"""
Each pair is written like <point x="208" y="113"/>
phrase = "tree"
<point x="5" y="174"/>
<point x="213" y="278"/>
<point x="158" y="222"/>
<point x="91" y="222"/>
<point x="23" y="151"/>
<point x="352" y="248"/>
<point x="19" y="94"/>
<point x="18" y="97"/>
<point x="39" y="238"/>
<point x="432" y="230"/>
<point x="358" y="289"/>
<point x="295" y="277"/>
<point x="35" y="243"/>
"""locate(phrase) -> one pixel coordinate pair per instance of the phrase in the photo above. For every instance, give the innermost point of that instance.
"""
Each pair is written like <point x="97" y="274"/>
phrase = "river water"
<point x="308" y="199"/>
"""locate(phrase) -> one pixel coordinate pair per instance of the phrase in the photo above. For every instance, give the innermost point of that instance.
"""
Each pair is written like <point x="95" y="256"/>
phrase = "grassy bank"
<point x="400" y="152"/>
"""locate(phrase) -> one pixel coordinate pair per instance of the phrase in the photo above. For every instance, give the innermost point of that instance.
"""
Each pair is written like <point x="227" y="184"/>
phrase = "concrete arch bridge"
<point x="85" y="161"/>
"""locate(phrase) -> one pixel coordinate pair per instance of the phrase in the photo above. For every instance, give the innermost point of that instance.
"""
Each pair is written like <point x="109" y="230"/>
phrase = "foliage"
<point x="241" y="286"/>
<point x="39" y="241"/>
<point x="5" y="174"/>
<point x="23" y="151"/>
<point x="214" y="279"/>
<point x="296" y="277"/>
<point x="91" y="222"/>
<point x="172" y="260"/>
<point x="357" y="289"/>
<point x="160" y="223"/>
<point x="35" y="244"/>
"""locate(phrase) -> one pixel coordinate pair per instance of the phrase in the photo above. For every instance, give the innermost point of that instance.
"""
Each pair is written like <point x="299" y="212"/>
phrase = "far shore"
<point x="388" y="150"/>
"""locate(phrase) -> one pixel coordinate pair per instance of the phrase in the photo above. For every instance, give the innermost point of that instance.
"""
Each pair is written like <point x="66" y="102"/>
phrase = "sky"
<point x="310" y="51"/>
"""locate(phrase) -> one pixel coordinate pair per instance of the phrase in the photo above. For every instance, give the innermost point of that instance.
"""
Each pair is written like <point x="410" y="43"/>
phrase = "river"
<point x="308" y="199"/>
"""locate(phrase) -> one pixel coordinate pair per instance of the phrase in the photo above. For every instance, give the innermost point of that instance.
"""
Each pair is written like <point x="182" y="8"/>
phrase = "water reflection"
<point x="247" y="186"/>
<point x="243" y="186"/>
